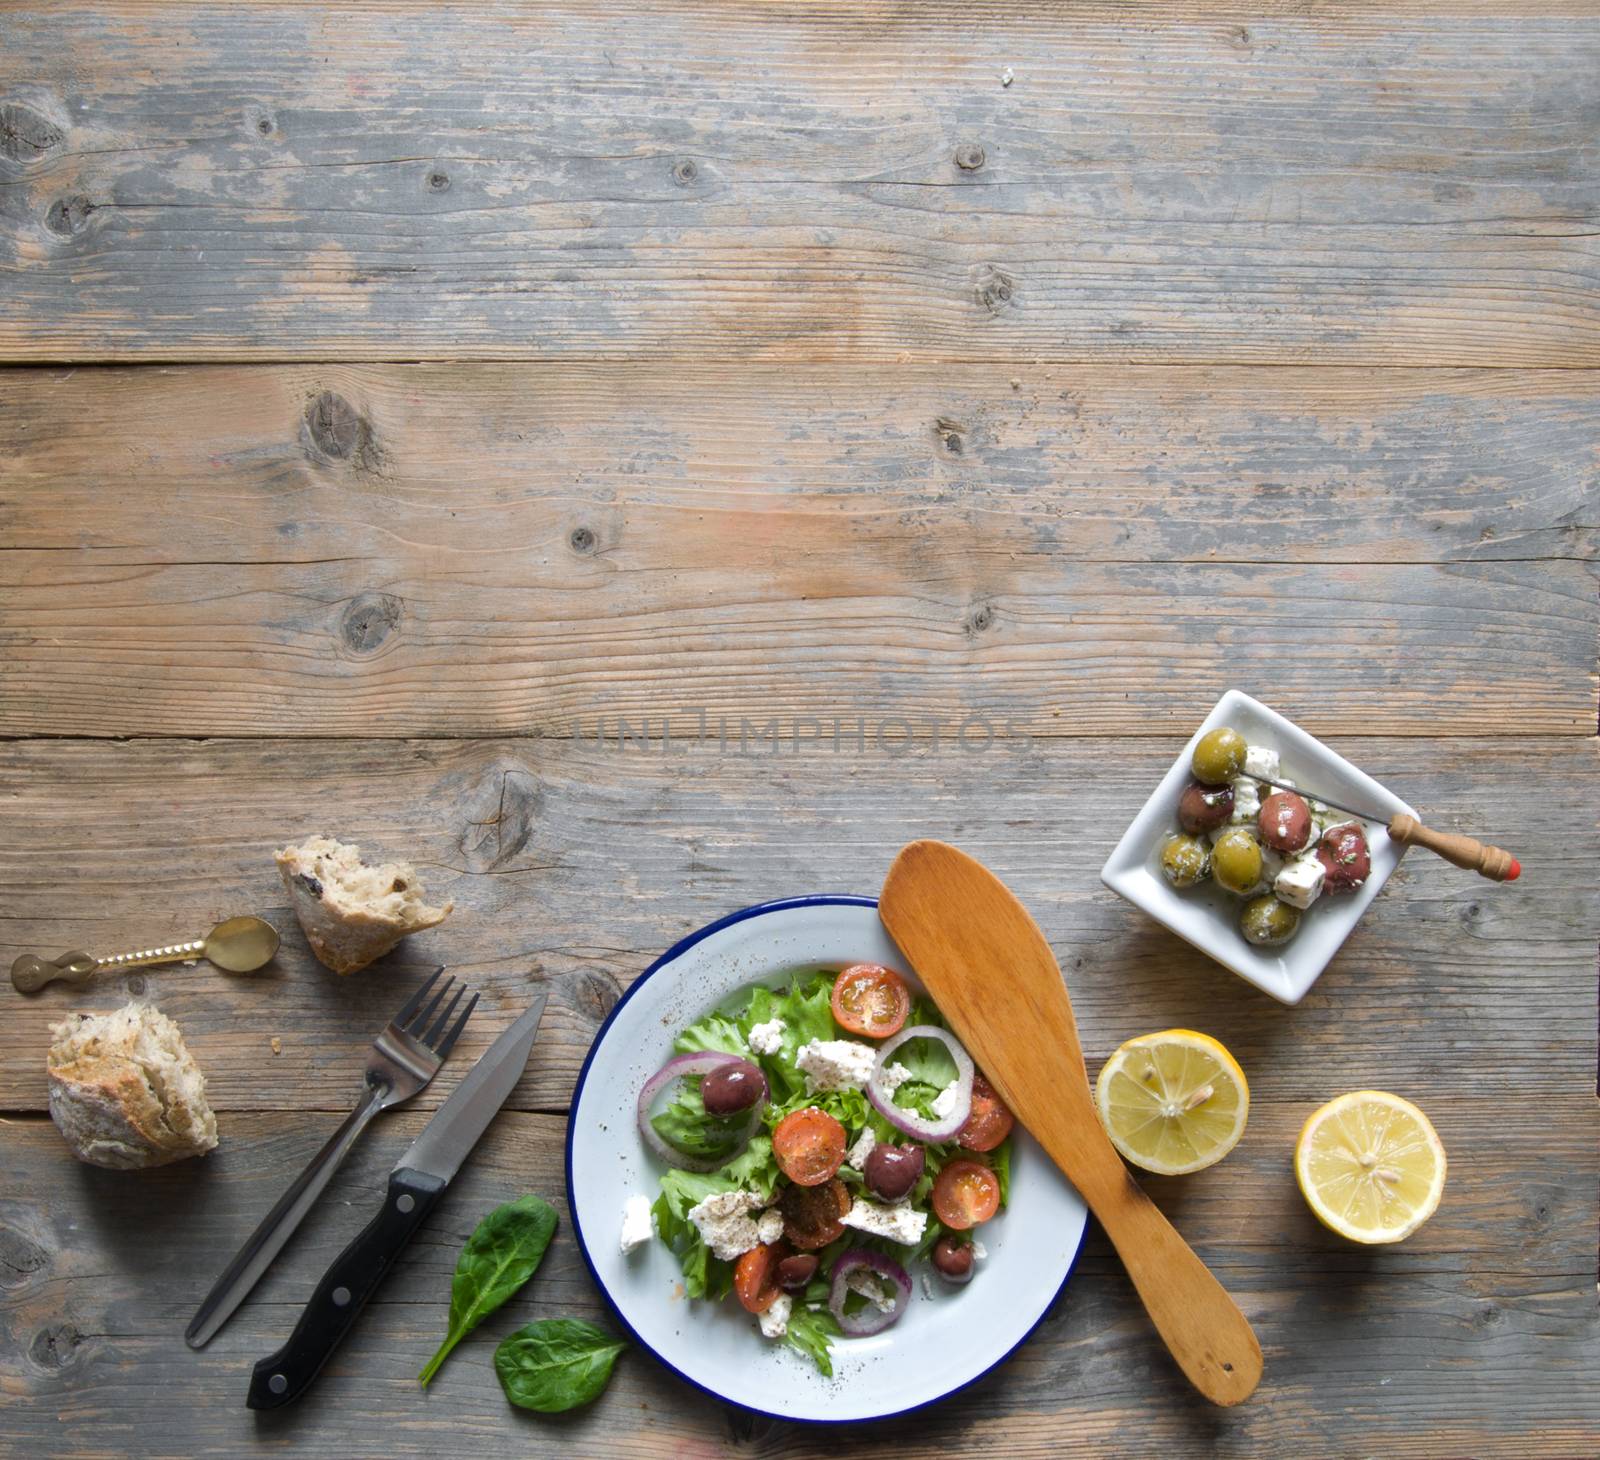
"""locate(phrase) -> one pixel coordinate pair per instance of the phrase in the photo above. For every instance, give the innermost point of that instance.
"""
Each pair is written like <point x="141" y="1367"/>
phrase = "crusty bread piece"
<point x="124" y="1090"/>
<point x="353" y="913"/>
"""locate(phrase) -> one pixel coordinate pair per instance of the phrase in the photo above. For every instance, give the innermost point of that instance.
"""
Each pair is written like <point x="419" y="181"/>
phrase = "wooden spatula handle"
<point x="1209" y="1337"/>
<point x="1475" y="856"/>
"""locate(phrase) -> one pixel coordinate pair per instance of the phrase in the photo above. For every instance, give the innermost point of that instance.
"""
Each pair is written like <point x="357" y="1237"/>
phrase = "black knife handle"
<point x="283" y="1377"/>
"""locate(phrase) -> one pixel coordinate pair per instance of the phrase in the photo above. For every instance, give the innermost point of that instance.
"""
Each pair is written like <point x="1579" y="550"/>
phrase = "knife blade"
<point x="417" y="1182"/>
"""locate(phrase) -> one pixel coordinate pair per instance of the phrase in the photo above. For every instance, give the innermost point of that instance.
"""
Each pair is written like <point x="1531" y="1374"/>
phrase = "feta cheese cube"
<point x="636" y="1225"/>
<point x="725" y="1224"/>
<point x="1246" y="802"/>
<point x="899" y="1223"/>
<point x="862" y="1149"/>
<point x="1261" y="761"/>
<point x="894" y="1076"/>
<point x="979" y="1251"/>
<point x="836" y="1064"/>
<point x="872" y="1288"/>
<point x="945" y="1102"/>
<point x="767" y="1038"/>
<point x="775" y="1321"/>
<point x="769" y="1225"/>
<point x="1300" y="883"/>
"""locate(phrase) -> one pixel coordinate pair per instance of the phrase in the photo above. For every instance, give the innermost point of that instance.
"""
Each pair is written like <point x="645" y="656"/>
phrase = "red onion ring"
<point x="676" y="1068"/>
<point x="871" y="1319"/>
<point x="908" y="1121"/>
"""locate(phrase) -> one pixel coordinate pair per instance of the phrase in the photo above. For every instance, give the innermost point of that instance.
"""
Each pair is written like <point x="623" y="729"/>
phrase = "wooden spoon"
<point x="995" y="979"/>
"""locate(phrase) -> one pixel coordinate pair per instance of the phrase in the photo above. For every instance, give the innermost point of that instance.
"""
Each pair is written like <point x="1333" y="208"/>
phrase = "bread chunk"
<point x="353" y="913"/>
<point x="124" y="1090"/>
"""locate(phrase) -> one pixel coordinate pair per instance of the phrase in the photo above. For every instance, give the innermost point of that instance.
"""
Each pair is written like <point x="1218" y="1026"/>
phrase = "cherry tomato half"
<point x="755" y="1277"/>
<point x="812" y="1215"/>
<point x="809" y="1146"/>
<point x="871" y="1000"/>
<point x="990" y="1121"/>
<point x="964" y="1194"/>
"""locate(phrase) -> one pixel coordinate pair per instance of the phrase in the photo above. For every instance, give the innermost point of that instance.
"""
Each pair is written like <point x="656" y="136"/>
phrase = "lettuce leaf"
<point x="810" y="1333"/>
<point x="754" y="1168"/>
<point x="685" y="1124"/>
<point x="703" y="1275"/>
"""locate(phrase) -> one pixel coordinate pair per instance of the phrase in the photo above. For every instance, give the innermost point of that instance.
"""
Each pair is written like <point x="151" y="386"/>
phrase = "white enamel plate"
<point x="941" y="1343"/>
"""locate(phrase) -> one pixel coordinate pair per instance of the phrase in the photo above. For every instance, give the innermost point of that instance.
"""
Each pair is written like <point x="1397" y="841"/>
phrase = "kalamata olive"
<point x="1185" y="860"/>
<point x="1236" y="860"/>
<point x="1284" y="821"/>
<point x="1345" y="859"/>
<point x="795" y="1272"/>
<point x="953" y="1260"/>
<point x="1202" y="808"/>
<point x="892" y="1171"/>
<point x="728" y="1089"/>
<point x="1219" y="756"/>
<point x="1266" y="922"/>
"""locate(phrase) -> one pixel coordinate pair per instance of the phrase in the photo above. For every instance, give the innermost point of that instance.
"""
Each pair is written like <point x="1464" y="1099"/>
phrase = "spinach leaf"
<point x="500" y="1256"/>
<point x="555" y="1364"/>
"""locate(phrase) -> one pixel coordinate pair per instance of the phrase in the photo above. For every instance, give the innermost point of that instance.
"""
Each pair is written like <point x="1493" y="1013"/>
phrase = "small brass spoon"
<point x="239" y="945"/>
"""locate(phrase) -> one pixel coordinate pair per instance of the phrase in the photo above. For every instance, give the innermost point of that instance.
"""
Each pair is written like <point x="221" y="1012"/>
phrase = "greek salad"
<point x="821" y="1139"/>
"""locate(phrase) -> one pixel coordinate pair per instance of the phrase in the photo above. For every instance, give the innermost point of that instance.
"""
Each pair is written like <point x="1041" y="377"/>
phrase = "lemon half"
<point x="1370" y="1166"/>
<point x="1173" y="1102"/>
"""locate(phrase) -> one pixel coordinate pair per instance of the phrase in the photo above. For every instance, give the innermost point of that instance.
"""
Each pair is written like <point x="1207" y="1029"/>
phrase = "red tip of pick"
<point x="1515" y="872"/>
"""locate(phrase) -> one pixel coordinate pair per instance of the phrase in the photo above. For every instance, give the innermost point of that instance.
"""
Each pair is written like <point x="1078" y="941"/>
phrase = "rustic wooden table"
<point x="429" y="424"/>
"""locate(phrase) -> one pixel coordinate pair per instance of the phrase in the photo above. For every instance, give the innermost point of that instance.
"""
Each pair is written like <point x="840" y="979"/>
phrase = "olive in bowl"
<point x="1267" y="922"/>
<point x="1219" y="756"/>
<point x="1284" y="822"/>
<point x="1204" y="808"/>
<point x="1185" y="860"/>
<point x="1345" y="857"/>
<point x="1236" y="860"/>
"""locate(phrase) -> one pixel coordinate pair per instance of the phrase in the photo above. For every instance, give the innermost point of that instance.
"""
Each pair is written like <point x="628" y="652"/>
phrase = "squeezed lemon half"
<point x="1173" y="1102"/>
<point x="1370" y="1166"/>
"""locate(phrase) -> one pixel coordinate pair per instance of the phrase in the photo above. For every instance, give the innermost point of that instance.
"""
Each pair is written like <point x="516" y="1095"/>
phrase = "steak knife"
<point x="415" y="1186"/>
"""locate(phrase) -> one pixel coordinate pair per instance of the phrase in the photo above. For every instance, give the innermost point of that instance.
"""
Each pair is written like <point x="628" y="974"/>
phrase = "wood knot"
<point x="261" y="121"/>
<point x="368" y="622"/>
<point x="951" y="436"/>
<point x="980" y="620"/>
<point x="56" y="1347"/>
<point x="68" y="216"/>
<point x="496" y="836"/>
<point x="1239" y="37"/>
<point x="26" y="135"/>
<point x="336" y="431"/>
<point x="583" y="540"/>
<point x="993" y="288"/>
<point x="684" y="172"/>
<point x="438" y="181"/>
<point x="969" y="157"/>
<point x="596" y="995"/>
<point x="137" y="986"/>
<point x="20" y="1258"/>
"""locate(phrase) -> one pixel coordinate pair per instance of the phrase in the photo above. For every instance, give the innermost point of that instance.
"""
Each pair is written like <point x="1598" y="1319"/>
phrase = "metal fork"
<point x="405" y="1056"/>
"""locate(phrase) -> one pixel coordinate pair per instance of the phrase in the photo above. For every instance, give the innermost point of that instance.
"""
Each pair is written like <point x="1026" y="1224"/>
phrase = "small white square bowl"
<point x="1208" y="917"/>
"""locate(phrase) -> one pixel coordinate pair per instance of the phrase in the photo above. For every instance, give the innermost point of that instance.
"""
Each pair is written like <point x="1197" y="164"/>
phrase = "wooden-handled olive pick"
<point x="1463" y="851"/>
<point x="995" y="979"/>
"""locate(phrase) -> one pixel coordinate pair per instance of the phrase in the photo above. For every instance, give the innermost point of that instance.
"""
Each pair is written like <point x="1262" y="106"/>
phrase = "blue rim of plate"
<point x="678" y="949"/>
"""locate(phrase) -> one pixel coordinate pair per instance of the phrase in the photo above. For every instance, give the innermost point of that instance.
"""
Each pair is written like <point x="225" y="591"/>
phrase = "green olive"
<point x="1219" y="756"/>
<point x="1266" y="922"/>
<point x="1236" y="860"/>
<point x="1185" y="860"/>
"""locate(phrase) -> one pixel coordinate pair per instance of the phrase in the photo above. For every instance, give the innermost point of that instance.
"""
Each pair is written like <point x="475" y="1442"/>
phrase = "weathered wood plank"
<point x="575" y="866"/>
<point x="1460" y="1340"/>
<point x="820" y="181"/>
<point x="730" y="463"/>
<point x="308" y="552"/>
